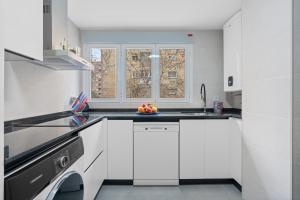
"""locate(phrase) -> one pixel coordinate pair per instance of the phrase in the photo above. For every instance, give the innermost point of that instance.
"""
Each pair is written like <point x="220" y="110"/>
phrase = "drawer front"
<point x="93" y="141"/>
<point x="94" y="177"/>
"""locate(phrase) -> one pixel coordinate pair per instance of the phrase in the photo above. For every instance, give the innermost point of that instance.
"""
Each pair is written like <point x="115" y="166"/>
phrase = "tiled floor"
<point x="189" y="192"/>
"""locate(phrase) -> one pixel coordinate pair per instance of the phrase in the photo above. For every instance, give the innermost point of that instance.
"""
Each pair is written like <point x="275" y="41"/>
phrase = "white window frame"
<point x="155" y="72"/>
<point x="188" y="78"/>
<point x="124" y="68"/>
<point x="87" y="74"/>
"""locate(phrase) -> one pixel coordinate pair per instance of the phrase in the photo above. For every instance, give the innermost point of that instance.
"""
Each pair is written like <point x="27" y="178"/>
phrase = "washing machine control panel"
<point x="28" y="182"/>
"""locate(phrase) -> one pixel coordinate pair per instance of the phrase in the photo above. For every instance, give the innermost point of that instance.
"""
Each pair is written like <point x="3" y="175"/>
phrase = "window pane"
<point x="172" y="73"/>
<point x="138" y="73"/>
<point x="104" y="76"/>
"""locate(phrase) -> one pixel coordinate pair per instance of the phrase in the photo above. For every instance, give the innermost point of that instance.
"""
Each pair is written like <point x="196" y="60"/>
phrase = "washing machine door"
<point x="69" y="187"/>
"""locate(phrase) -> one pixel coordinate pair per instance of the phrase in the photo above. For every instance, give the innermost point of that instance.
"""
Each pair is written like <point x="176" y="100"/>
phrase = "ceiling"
<point x="151" y="15"/>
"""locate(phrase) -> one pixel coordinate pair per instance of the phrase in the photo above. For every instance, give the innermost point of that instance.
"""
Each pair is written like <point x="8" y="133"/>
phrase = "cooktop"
<point x="30" y="140"/>
<point x="70" y="121"/>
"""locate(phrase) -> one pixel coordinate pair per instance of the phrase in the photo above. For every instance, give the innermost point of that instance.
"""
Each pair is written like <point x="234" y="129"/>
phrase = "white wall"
<point x="32" y="90"/>
<point x="207" y="60"/>
<point x="296" y="101"/>
<point x="267" y="99"/>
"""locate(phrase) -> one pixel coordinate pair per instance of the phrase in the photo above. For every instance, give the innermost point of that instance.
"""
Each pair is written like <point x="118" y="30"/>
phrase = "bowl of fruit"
<point x="147" y="109"/>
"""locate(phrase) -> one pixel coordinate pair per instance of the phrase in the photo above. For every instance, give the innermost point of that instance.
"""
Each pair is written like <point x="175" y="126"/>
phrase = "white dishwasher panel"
<point x="156" y="154"/>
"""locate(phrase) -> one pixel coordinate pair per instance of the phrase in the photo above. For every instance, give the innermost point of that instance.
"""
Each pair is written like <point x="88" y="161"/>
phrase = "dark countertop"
<point x="28" y="138"/>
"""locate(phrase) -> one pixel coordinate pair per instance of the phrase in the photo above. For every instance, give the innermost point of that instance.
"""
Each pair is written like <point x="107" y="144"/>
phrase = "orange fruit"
<point x="141" y="109"/>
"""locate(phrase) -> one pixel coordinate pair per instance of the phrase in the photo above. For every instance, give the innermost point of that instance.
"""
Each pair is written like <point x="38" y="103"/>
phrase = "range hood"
<point x="64" y="60"/>
<point x="59" y="33"/>
<point x="56" y="51"/>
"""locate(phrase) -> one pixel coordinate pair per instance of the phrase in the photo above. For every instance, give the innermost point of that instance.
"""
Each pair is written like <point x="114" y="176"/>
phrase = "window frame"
<point x="155" y="72"/>
<point x="87" y="84"/>
<point x="124" y="68"/>
<point x="187" y="72"/>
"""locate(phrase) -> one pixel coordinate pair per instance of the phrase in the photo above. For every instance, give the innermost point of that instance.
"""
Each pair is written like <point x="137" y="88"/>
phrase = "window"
<point x="139" y="72"/>
<point x="172" y="73"/>
<point x="103" y="78"/>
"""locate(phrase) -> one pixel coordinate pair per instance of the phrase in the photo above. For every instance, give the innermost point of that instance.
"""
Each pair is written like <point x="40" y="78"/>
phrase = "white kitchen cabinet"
<point x="94" y="139"/>
<point x="23" y="27"/>
<point x="95" y="157"/>
<point x="235" y="151"/>
<point x="94" y="177"/>
<point x="56" y="24"/>
<point x="233" y="53"/>
<point x="204" y="149"/>
<point x="216" y="151"/>
<point x="120" y="149"/>
<point x="192" y="134"/>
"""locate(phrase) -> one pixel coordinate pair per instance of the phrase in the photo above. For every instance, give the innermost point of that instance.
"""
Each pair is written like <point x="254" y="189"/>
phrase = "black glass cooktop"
<point x="71" y="121"/>
<point x="32" y="139"/>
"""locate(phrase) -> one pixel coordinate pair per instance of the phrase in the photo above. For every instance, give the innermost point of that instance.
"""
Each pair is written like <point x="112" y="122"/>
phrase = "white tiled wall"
<point x="267" y="99"/>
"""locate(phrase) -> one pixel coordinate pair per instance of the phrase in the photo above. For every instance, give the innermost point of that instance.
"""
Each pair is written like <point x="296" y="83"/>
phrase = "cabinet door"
<point x="216" y="159"/>
<point x="192" y="149"/>
<point x="23" y="27"/>
<point x="93" y="140"/>
<point x="235" y="149"/>
<point x="120" y="149"/>
<point x="232" y="52"/>
<point x="94" y="177"/>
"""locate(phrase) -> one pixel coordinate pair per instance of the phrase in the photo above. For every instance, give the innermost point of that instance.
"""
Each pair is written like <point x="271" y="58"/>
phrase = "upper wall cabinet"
<point x="23" y="27"/>
<point x="233" y="54"/>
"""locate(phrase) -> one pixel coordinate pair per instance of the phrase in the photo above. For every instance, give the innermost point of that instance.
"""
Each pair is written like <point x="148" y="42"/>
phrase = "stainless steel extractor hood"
<point x="56" y="53"/>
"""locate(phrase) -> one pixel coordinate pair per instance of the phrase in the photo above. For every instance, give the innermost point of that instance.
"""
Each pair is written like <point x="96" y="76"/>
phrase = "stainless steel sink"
<point x="198" y="113"/>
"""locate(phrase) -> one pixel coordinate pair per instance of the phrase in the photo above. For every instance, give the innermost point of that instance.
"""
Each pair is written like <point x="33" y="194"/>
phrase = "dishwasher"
<point x="156" y="153"/>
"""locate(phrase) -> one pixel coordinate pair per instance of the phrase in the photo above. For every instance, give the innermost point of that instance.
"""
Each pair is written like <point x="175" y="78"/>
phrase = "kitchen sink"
<point x="198" y="113"/>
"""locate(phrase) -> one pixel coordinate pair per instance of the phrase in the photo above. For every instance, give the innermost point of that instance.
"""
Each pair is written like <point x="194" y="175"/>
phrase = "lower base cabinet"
<point x="204" y="149"/>
<point x="120" y="149"/>
<point x="95" y="158"/>
<point x="94" y="177"/>
<point x="216" y="149"/>
<point x="235" y="149"/>
<point x="192" y="149"/>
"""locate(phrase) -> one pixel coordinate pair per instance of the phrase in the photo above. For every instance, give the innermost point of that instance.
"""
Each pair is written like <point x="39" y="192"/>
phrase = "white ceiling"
<point x="151" y="14"/>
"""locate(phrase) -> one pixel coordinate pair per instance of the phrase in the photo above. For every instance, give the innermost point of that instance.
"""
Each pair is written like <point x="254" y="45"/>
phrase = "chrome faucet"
<point x="203" y="96"/>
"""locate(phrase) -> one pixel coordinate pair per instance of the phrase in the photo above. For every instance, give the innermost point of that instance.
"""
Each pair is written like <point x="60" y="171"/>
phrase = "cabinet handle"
<point x="156" y="128"/>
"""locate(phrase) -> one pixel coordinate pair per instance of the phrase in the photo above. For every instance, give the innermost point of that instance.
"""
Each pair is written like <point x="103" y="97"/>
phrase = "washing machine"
<point x="56" y="176"/>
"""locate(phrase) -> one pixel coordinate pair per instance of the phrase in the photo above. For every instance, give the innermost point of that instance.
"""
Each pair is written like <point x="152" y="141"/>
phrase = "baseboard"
<point x="118" y="182"/>
<point x="237" y="185"/>
<point x="156" y="182"/>
<point x="210" y="181"/>
<point x="204" y="181"/>
<point x="183" y="182"/>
